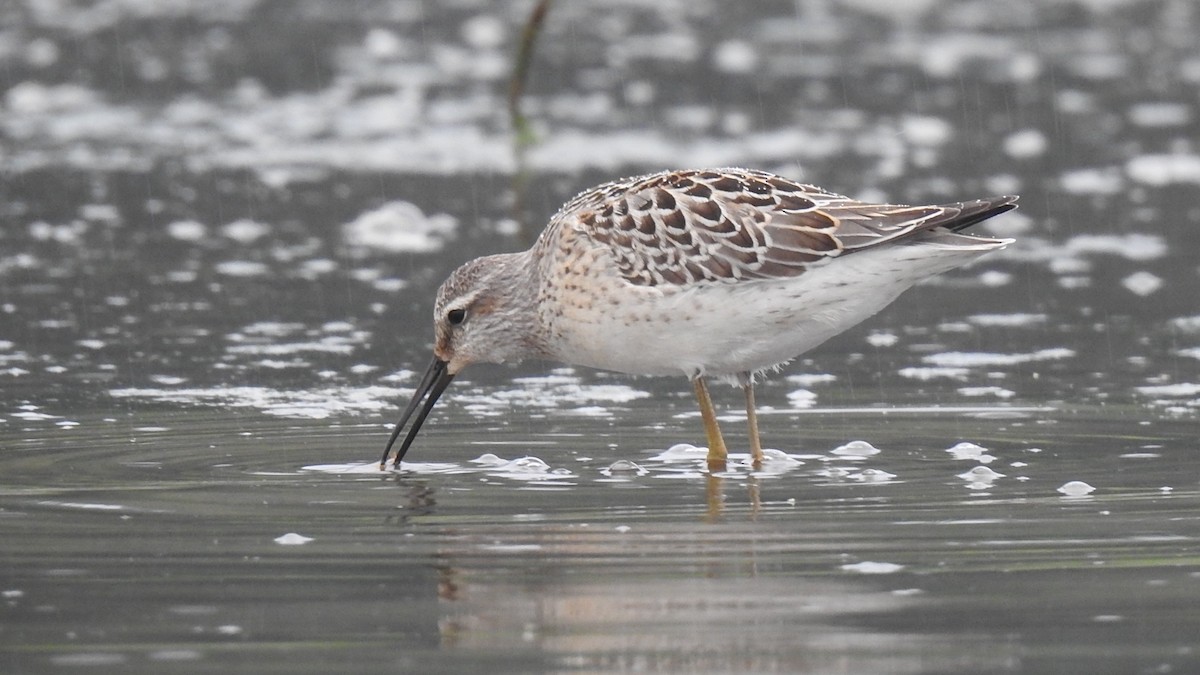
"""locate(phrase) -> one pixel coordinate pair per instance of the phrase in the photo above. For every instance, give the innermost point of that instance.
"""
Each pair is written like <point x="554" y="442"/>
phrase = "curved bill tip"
<point x="437" y="377"/>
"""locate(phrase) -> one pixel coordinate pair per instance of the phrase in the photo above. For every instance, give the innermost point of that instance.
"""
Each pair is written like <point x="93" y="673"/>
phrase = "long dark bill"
<point x="434" y="382"/>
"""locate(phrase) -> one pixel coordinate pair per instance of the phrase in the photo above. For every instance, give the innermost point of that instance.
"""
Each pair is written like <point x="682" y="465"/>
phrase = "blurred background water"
<point x="222" y="224"/>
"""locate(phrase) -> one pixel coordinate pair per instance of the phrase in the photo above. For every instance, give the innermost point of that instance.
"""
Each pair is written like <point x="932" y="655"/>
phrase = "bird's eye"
<point x="456" y="316"/>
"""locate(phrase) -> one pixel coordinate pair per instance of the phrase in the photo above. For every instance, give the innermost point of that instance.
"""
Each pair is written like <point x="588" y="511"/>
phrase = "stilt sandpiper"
<point x="708" y="273"/>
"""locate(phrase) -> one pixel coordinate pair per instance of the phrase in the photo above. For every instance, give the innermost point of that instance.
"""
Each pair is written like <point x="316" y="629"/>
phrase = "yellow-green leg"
<point x="756" y="453"/>
<point x="717" y="453"/>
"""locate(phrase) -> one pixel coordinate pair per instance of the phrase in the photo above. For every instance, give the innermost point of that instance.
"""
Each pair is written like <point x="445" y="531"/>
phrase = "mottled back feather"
<point x="727" y="225"/>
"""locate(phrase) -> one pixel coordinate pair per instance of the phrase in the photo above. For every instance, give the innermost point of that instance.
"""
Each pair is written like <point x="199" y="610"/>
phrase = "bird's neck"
<point x="521" y="281"/>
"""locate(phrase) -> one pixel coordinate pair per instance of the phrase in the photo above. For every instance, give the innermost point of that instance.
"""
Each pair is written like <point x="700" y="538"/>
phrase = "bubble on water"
<point x="856" y="449"/>
<point x="980" y="478"/>
<point x="525" y="465"/>
<point x="681" y="452"/>
<point x="292" y="539"/>
<point x="972" y="452"/>
<point x="488" y="459"/>
<point x="1076" y="488"/>
<point x="624" y="467"/>
<point x="873" y="476"/>
<point x="773" y="456"/>
<point x="869" y="567"/>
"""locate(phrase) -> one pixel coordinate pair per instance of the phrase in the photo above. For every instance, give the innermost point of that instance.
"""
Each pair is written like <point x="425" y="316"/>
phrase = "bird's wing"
<point x="729" y="225"/>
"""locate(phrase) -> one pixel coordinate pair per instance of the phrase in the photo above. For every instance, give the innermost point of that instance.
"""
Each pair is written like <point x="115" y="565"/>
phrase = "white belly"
<point x="726" y="329"/>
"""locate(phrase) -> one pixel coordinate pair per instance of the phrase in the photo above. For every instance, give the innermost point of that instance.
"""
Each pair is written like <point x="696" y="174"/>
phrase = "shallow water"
<point x="206" y="540"/>
<point x="218" y="253"/>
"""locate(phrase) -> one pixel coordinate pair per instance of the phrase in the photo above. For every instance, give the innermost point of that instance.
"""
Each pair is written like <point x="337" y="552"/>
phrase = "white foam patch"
<point x="1187" y="324"/>
<point x="809" y="379"/>
<point x="978" y="359"/>
<point x="801" y="398"/>
<point x="998" y="392"/>
<point x="1025" y="143"/>
<point x="187" y="230"/>
<point x="882" y="339"/>
<point x="84" y="506"/>
<point x="327" y="345"/>
<point x="1178" y="389"/>
<point x="399" y="227"/>
<point x="1142" y="283"/>
<point x="1014" y="320"/>
<point x="1160" y="114"/>
<point x="346" y="469"/>
<point x="1134" y="246"/>
<point x="245" y="231"/>
<point x="735" y="56"/>
<point x="926" y="374"/>
<point x="1163" y="169"/>
<point x="241" y="268"/>
<point x="872" y="476"/>
<point x="551" y="392"/>
<point x="1093" y="181"/>
<point x="869" y="567"/>
<point x="310" y="404"/>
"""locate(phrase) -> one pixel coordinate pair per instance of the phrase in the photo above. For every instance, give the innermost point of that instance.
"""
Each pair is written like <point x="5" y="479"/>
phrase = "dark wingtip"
<point x="979" y="210"/>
